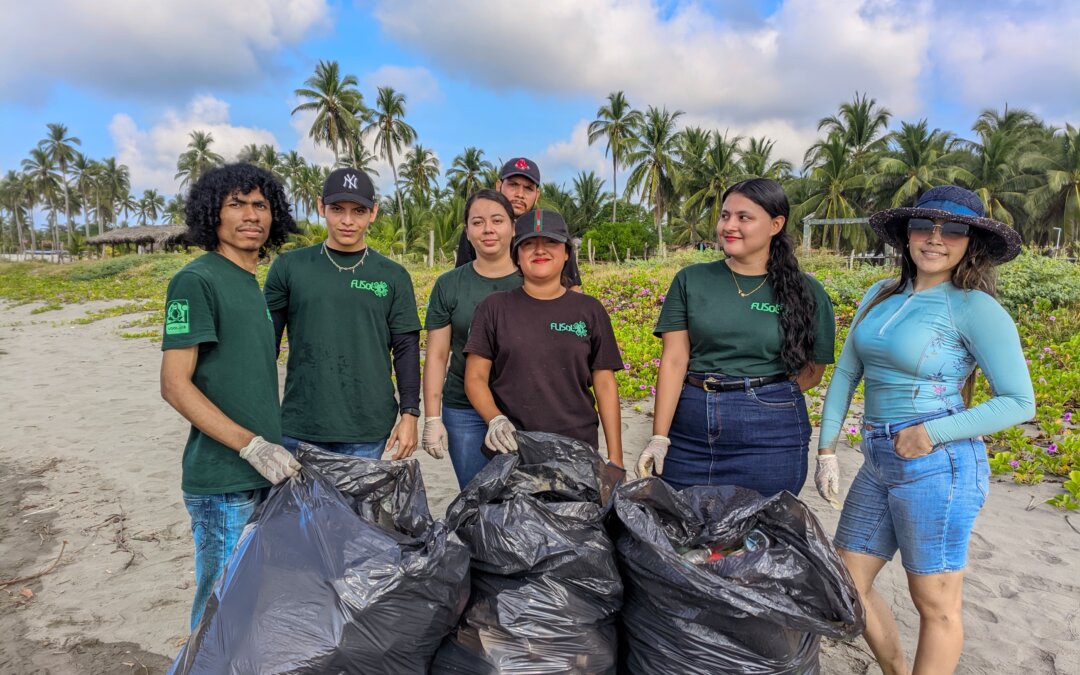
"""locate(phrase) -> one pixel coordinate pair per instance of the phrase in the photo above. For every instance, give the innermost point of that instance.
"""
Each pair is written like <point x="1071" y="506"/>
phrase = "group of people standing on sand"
<point x="513" y="344"/>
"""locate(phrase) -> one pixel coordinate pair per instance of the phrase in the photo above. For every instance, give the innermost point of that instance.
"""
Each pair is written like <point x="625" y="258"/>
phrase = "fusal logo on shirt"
<point x="350" y="181"/>
<point x="578" y="328"/>
<point x="177" y="317"/>
<point x="380" y="288"/>
<point x="766" y="307"/>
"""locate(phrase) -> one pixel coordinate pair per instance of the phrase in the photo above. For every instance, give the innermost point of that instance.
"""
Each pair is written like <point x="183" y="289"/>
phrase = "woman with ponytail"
<point x="916" y="342"/>
<point x="743" y="339"/>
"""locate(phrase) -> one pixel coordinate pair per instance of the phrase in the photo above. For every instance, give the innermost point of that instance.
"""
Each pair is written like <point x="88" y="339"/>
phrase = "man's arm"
<point x="607" y="404"/>
<point x="177" y="369"/>
<point x="280" y="317"/>
<point x="405" y="348"/>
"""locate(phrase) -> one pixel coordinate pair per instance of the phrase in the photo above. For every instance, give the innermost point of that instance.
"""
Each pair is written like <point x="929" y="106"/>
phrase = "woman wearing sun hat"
<point x="915" y="342"/>
<point x="542" y="358"/>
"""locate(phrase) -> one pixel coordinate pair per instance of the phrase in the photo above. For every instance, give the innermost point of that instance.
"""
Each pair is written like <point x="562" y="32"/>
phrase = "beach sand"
<point x="90" y="456"/>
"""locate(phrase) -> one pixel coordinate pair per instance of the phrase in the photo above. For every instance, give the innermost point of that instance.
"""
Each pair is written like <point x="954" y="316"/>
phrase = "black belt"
<point x="712" y="384"/>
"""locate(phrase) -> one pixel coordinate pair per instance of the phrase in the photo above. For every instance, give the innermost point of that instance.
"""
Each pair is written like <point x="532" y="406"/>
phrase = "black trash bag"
<point x="545" y="584"/>
<point x="756" y="611"/>
<point x="341" y="570"/>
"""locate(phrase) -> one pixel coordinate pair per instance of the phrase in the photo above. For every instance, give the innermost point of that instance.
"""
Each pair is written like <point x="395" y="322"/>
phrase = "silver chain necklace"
<point x="339" y="267"/>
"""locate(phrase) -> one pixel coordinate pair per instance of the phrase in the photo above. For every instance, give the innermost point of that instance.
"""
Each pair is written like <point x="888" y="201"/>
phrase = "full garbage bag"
<point x="545" y="584"/>
<point x="341" y="570"/>
<point x="772" y="587"/>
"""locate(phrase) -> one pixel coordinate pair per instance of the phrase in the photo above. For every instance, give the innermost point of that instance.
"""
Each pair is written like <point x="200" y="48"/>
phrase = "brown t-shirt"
<point x="543" y="353"/>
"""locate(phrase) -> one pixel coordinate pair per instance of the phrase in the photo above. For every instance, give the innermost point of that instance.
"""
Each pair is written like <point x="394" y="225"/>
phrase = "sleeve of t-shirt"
<point x="403" y="316"/>
<point x="189" y="312"/>
<point x="482" y="341"/>
<point x="438" y="309"/>
<point x="276" y="288"/>
<point x="825" y="338"/>
<point x="673" y="313"/>
<point x="992" y="339"/>
<point x="605" y="349"/>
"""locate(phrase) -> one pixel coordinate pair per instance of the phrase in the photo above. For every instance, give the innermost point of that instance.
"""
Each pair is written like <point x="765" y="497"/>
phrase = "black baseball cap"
<point x="521" y="166"/>
<point x="348" y="185"/>
<point x="539" y="223"/>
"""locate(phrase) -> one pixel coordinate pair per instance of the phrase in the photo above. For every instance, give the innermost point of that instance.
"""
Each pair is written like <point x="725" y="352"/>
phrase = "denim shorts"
<point x="752" y="437"/>
<point x="372" y="450"/>
<point x="925" y="507"/>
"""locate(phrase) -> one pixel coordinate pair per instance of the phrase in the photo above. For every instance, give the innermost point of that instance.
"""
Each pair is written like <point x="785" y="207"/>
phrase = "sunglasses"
<point x="923" y="228"/>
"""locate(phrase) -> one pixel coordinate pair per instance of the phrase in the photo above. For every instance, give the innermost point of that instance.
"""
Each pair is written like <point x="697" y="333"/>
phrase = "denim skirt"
<point x="752" y="437"/>
<point x="924" y="507"/>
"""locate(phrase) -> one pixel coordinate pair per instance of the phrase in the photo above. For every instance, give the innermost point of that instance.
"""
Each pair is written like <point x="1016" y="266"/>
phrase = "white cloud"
<point x="151" y="153"/>
<point x="417" y="83"/>
<point x="164" y="48"/>
<point x="573" y="155"/>
<point x="804" y="59"/>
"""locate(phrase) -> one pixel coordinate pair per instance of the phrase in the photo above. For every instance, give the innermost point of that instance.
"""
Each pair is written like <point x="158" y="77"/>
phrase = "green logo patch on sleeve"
<point x="177" y="314"/>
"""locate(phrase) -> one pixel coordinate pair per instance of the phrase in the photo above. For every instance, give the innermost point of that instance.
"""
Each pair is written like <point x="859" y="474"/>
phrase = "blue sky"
<point x="132" y="78"/>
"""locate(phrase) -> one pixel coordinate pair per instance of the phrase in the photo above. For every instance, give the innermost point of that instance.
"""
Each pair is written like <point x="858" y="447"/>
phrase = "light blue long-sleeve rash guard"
<point x="916" y="350"/>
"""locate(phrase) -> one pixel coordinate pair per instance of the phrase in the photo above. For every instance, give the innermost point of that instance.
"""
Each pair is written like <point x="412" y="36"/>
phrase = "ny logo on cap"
<point x="522" y="164"/>
<point x="350" y="181"/>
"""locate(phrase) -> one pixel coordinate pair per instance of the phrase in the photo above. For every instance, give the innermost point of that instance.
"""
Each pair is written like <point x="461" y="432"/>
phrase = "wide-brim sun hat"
<point x="949" y="202"/>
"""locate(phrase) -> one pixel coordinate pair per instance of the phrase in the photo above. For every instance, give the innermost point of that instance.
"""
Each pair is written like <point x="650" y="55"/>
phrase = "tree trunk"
<point x="18" y="226"/>
<point x="614" y="186"/>
<point x="67" y="206"/>
<point x="397" y="193"/>
<point x="33" y="234"/>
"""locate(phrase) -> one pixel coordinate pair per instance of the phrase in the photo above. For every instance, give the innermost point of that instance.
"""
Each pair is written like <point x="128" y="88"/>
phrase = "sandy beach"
<point x="90" y="465"/>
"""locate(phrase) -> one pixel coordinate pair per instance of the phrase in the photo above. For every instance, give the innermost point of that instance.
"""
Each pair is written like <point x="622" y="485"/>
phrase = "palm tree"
<point x="996" y="176"/>
<point x="1057" y="199"/>
<point x="115" y="184"/>
<point x="86" y="173"/>
<point x="420" y="173"/>
<point x="174" y="210"/>
<point x="45" y="181"/>
<point x="359" y="157"/>
<point x="149" y="206"/>
<point x="249" y="153"/>
<point x="861" y="124"/>
<point x="618" y="124"/>
<point x="832" y="185"/>
<point x="720" y="170"/>
<point x="917" y="160"/>
<point x="336" y="102"/>
<point x="273" y="161"/>
<point x="61" y="150"/>
<point x="467" y="170"/>
<point x="757" y="160"/>
<point x="198" y="158"/>
<point x="652" y="169"/>
<point x="391" y="133"/>
<point x="12" y="198"/>
<point x="588" y="202"/>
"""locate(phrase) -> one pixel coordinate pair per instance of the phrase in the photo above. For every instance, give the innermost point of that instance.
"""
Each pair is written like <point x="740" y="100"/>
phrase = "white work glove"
<point x="652" y="457"/>
<point x="270" y="459"/>
<point x="500" y="435"/>
<point x="827" y="479"/>
<point x="434" y="438"/>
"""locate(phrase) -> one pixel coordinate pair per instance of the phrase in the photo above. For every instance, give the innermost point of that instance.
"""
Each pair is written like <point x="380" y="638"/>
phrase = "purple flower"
<point x="1052" y="317"/>
<point x="1051" y="449"/>
<point x="1067" y="417"/>
<point x="626" y="366"/>
<point x="652" y="390"/>
<point x="1047" y="350"/>
<point x="641" y="387"/>
<point x="852" y="430"/>
<point x="662" y="297"/>
<point x="1014" y="463"/>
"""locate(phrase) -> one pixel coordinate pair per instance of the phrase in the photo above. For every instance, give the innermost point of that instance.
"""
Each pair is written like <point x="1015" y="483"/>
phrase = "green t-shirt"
<point x="452" y="303"/>
<point x="218" y="306"/>
<point x="733" y="335"/>
<point x="338" y="384"/>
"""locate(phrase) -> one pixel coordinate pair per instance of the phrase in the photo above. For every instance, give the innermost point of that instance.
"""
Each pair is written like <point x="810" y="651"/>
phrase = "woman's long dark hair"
<point x="202" y="213"/>
<point x="791" y="289"/>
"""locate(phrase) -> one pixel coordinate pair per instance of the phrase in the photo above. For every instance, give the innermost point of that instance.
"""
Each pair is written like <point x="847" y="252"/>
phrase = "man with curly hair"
<point x="347" y="309"/>
<point x="219" y="367"/>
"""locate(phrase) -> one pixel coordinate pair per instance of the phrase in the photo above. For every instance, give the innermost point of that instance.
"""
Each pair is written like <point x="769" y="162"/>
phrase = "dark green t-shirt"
<point x="218" y="306"/>
<point x="338" y="385"/>
<point x="452" y="303"/>
<point x="733" y="335"/>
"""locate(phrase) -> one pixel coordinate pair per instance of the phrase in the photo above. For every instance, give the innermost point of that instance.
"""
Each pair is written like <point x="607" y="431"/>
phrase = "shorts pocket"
<point x="779" y="395"/>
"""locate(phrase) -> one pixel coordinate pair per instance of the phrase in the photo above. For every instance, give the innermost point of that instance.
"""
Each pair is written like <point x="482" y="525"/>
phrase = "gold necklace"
<point x="742" y="293"/>
<point x="339" y="267"/>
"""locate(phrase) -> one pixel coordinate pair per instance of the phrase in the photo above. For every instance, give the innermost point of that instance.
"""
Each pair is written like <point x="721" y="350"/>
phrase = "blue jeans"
<point x="216" y="524"/>
<point x="465" y="431"/>
<point x="755" y="438"/>
<point x="925" y="507"/>
<point x="373" y="450"/>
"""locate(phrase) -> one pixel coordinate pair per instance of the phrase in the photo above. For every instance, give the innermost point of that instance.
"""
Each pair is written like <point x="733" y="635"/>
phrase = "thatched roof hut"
<point x="156" y="236"/>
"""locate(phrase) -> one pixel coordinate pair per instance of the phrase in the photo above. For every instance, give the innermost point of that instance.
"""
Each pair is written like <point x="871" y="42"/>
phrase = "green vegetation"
<point x="1042" y="294"/>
